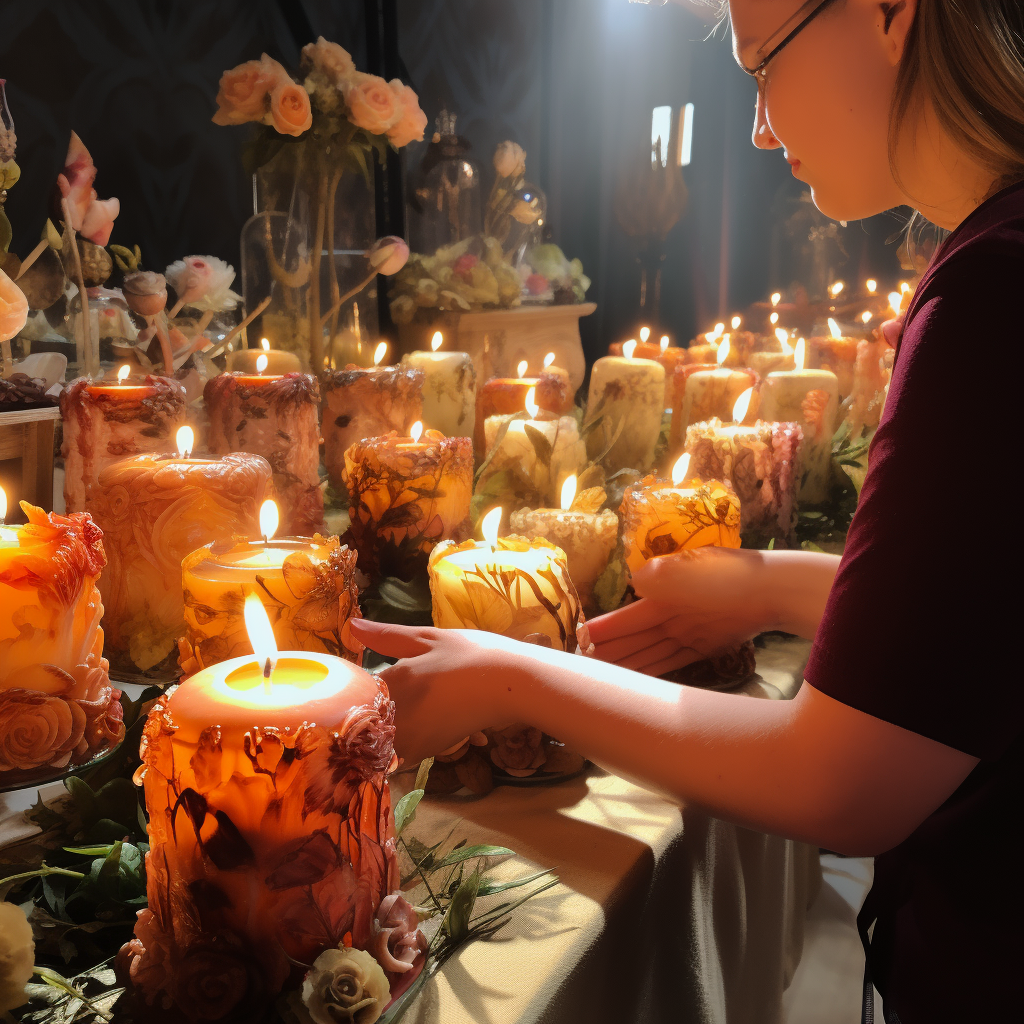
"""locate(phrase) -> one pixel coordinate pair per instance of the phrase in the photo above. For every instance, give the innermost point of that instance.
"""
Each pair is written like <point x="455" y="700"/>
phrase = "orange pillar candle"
<point x="277" y="417"/>
<point x="407" y="493"/>
<point x="270" y="823"/>
<point x="57" y="706"/>
<point x="154" y="510"/>
<point x="104" y="423"/>
<point x="361" y="403"/>
<point x="837" y="354"/>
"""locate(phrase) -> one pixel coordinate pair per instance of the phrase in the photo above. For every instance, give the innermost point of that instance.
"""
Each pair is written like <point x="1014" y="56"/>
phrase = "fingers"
<point x="635" y="617"/>
<point x="391" y="640"/>
<point x="684" y="656"/>
<point x="626" y="646"/>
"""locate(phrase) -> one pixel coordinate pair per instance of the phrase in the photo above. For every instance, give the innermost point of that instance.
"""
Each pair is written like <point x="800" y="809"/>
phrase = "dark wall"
<point x="573" y="81"/>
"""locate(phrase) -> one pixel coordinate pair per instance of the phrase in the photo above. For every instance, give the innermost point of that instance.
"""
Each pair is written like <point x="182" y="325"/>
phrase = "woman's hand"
<point x="448" y="684"/>
<point x="693" y="605"/>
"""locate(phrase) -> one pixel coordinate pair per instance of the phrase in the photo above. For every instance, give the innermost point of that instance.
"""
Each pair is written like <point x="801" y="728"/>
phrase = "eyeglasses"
<point x="789" y="31"/>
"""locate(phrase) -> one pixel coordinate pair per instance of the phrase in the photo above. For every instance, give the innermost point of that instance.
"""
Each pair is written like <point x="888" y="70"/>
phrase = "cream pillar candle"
<point x="711" y="393"/>
<point x="810" y="398"/>
<point x="278" y="361"/>
<point x="449" y="388"/>
<point x="629" y="394"/>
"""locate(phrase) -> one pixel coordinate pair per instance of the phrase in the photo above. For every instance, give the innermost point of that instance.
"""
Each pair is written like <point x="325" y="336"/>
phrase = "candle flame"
<point x="904" y="287"/>
<point x="681" y="468"/>
<point x="416" y="430"/>
<point x="774" y="318"/>
<point x="800" y="353"/>
<point x="379" y="353"/>
<point x="865" y="317"/>
<point x="489" y="526"/>
<point x="3" y="504"/>
<point x="262" y="361"/>
<point x="836" y="288"/>
<point x="782" y="336"/>
<point x="776" y="298"/>
<point x="531" y="403"/>
<point x="723" y="351"/>
<point x="834" y="330"/>
<point x="718" y="331"/>
<point x="436" y="341"/>
<point x="569" y="492"/>
<point x="270" y="519"/>
<point x="265" y="344"/>
<point x="261" y="635"/>
<point x="122" y="374"/>
<point x="739" y="410"/>
<point x="736" y="321"/>
<point x="629" y="348"/>
<point x="645" y="333"/>
<point x="549" y="359"/>
<point x="664" y="342"/>
<point x="896" y="302"/>
<point x="872" y="285"/>
<point x="522" y="368"/>
<point x="185" y="439"/>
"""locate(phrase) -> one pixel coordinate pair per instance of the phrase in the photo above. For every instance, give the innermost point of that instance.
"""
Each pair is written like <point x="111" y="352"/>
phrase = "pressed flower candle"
<point x="449" y="388"/>
<point x="154" y="510"/>
<point x="56" y="702"/>
<point x="709" y="393"/>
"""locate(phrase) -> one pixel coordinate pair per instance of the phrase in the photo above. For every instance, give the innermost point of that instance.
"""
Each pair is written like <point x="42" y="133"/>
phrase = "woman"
<point x="906" y="740"/>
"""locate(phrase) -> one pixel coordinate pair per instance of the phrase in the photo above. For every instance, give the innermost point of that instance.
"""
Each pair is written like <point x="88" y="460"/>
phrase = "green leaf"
<point x="90" y="851"/>
<point x="809" y="545"/>
<point x="611" y="585"/>
<point x="43" y="816"/>
<point x="405" y="809"/>
<point x="456" y="918"/>
<point x="423" y="772"/>
<point x="498" y="438"/>
<point x="540" y="442"/>
<point x="489" y="887"/>
<point x="469" y="852"/>
<point x="411" y="596"/>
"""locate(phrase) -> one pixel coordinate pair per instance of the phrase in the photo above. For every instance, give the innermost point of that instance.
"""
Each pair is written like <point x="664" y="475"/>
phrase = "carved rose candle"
<point x="661" y="518"/>
<point x="307" y="586"/>
<point x="362" y="403"/>
<point x="57" y="706"/>
<point x="277" y="417"/>
<point x="104" y="423"/>
<point x="271" y="830"/>
<point x="154" y="510"/>
<point x="407" y="493"/>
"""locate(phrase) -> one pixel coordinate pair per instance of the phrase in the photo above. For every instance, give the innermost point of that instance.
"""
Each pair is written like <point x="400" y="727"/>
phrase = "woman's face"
<point x="826" y="98"/>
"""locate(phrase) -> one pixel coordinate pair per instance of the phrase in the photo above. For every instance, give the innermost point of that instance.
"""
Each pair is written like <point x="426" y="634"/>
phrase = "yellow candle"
<point x="56" y="702"/>
<point x="269" y="807"/>
<point x="154" y="510"/>
<point x="278" y="361"/>
<point x="449" y="388"/>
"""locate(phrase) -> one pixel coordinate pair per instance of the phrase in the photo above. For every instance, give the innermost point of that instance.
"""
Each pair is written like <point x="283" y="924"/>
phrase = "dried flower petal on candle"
<point x="362" y="403"/>
<point x="659" y="518"/>
<point x="277" y="418"/>
<point x="107" y="422"/>
<point x="56" y="702"/>
<point x="404" y="497"/>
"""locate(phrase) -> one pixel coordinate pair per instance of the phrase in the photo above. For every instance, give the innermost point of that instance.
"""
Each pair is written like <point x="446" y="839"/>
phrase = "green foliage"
<point x="611" y="584"/>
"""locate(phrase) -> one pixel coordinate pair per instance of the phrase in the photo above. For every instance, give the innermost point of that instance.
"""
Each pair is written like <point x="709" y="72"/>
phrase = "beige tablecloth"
<point x="662" y="914"/>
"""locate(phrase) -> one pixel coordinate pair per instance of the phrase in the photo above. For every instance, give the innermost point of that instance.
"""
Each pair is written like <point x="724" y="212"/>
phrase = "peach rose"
<point x="290" y="112"/>
<point x="333" y="60"/>
<point x="372" y="103"/>
<point x="13" y="308"/>
<point x="410" y="126"/>
<point x="243" y="91"/>
<point x="37" y="729"/>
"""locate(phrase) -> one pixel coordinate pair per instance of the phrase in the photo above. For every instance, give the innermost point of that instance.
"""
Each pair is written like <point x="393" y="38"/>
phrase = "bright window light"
<point x="661" y="130"/>
<point x="685" y="135"/>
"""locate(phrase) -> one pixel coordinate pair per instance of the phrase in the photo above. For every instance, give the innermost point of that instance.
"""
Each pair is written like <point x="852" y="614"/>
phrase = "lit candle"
<point x="710" y="393"/>
<point x="513" y="586"/>
<point x="56" y="703"/>
<point x="246" y="360"/>
<point x="586" y="535"/>
<point x="407" y="493"/>
<point x="836" y="289"/>
<point x="704" y="347"/>
<point x="306" y="584"/>
<point x="659" y="518"/>
<point x="668" y="355"/>
<point x="449" y="388"/>
<point x="277" y="417"/>
<point x="366" y="402"/>
<point x="625" y="404"/>
<point x="871" y="285"/>
<point x="836" y="353"/>
<point x="758" y="462"/>
<point x="763" y="363"/>
<point x="153" y="511"/>
<point x="107" y="422"/>
<point x="266" y="783"/>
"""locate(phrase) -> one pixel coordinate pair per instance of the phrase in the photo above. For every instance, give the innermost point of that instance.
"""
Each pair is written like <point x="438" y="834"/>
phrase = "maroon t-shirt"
<point x="921" y="625"/>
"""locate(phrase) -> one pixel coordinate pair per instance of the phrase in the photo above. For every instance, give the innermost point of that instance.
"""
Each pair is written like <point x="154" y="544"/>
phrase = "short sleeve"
<point x="921" y="625"/>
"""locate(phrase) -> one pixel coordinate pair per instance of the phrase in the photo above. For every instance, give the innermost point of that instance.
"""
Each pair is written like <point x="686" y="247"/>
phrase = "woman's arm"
<point x="696" y="603"/>
<point x="811" y="768"/>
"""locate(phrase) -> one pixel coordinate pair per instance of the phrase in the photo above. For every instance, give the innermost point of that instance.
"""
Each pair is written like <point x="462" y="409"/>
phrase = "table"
<point x="662" y="914"/>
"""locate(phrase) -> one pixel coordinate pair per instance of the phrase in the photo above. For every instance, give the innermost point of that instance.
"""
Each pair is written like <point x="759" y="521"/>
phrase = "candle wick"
<point x="267" y="669"/>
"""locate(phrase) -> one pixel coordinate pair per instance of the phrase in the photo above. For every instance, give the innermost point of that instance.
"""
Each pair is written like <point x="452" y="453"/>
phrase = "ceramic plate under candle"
<point x="12" y="781"/>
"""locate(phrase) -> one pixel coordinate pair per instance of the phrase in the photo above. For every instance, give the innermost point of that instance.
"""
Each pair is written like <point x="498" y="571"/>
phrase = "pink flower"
<point x="13" y="308"/>
<point x="397" y="942"/>
<point x="146" y="960"/>
<point x="290" y="112"/>
<point x="92" y="218"/>
<point x="537" y="284"/>
<point x="243" y="91"/>
<point x="388" y="255"/>
<point x="464" y="265"/>
<point x="518" y="750"/>
<point x="372" y="103"/>
<point x="411" y="124"/>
